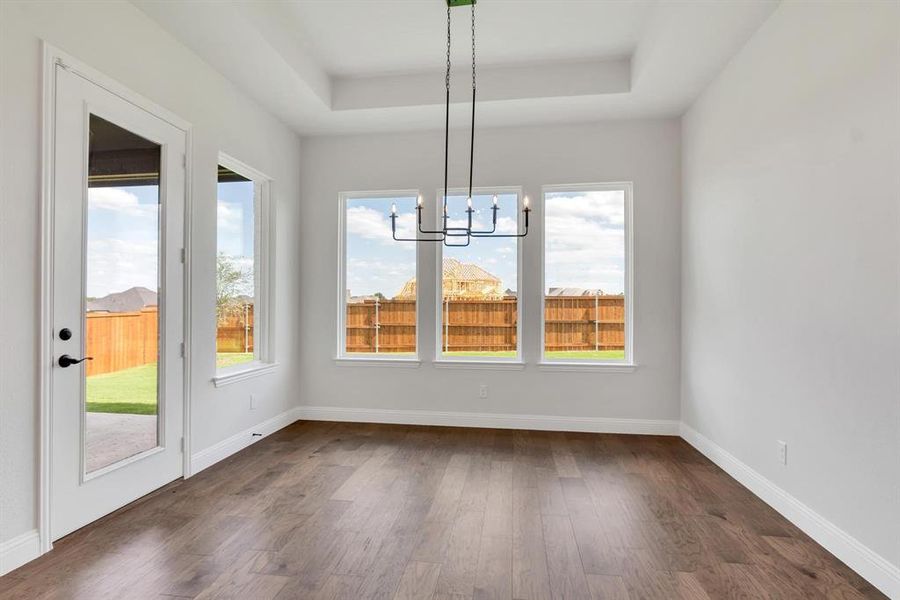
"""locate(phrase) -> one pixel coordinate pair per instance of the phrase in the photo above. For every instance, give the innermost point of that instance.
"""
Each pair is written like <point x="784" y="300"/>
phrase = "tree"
<point x="231" y="281"/>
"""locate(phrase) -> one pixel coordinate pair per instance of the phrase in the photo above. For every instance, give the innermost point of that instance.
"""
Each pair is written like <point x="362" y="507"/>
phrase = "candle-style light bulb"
<point x="419" y="201"/>
<point x="495" y="199"/>
<point x="469" y="202"/>
<point x="394" y="208"/>
<point x="526" y="203"/>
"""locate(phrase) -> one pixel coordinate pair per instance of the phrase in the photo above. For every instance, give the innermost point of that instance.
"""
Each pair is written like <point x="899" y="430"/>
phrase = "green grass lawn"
<point x="130" y="391"/>
<point x="133" y="391"/>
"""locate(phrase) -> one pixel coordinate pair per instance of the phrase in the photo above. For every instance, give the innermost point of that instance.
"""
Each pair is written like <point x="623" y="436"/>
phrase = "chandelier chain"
<point x="447" y="78"/>
<point x="473" y="45"/>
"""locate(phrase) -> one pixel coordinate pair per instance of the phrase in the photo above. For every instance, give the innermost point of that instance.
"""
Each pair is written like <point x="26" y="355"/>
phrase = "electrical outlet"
<point x="483" y="391"/>
<point x="254" y="402"/>
<point x="782" y="452"/>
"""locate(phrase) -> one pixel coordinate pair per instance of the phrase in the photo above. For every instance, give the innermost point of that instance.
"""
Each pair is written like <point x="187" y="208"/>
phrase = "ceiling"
<point x="350" y="66"/>
<point x="365" y="38"/>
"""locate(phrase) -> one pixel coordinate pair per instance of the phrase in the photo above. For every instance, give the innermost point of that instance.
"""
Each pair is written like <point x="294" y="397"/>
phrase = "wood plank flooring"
<point x="338" y="510"/>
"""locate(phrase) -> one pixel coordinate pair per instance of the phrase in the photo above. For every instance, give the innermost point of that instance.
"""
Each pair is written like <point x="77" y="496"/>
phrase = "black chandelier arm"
<point x="426" y="231"/>
<point x="468" y="241"/>
<point x="526" y="211"/>
<point x="493" y="229"/>
<point x="438" y="240"/>
<point x="397" y="239"/>
<point x="415" y="239"/>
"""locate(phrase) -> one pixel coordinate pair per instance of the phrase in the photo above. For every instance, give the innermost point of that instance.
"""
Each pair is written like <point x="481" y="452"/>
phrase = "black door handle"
<point x="67" y="361"/>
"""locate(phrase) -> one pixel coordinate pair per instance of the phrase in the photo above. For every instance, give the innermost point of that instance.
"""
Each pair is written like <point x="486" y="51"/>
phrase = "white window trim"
<point x="627" y="364"/>
<point x="462" y="362"/>
<point x="368" y="359"/>
<point x="487" y="364"/>
<point x="263" y="276"/>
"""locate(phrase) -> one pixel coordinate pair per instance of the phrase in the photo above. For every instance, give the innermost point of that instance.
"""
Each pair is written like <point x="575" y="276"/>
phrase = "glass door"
<point x="117" y="376"/>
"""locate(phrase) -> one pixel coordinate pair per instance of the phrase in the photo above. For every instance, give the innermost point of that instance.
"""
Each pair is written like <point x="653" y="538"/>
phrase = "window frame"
<point x="514" y="362"/>
<point x="263" y="274"/>
<point x="614" y="365"/>
<point x="368" y="359"/>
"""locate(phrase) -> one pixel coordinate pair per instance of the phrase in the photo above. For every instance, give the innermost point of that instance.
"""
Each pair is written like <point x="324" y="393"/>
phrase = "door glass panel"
<point x="122" y="289"/>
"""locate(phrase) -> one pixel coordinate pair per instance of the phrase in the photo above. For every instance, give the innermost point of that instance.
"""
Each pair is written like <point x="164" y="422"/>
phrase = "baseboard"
<point x="21" y="549"/>
<point x="489" y="420"/>
<point x="210" y="456"/>
<point x="876" y="569"/>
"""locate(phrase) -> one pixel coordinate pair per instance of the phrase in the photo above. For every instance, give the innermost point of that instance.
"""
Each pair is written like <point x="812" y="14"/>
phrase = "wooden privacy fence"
<point x="130" y="339"/>
<point x="381" y="326"/>
<point x="571" y="323"/>
<point x="234" y="332"/>
<point x="120" y="340"/>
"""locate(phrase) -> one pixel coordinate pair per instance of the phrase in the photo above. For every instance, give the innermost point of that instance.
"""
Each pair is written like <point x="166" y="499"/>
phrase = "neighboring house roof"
<point x="131" y="300"/>
<point x="574" y="291"/>
<point x="459" y="271"/>
<point x="475" y="281"/>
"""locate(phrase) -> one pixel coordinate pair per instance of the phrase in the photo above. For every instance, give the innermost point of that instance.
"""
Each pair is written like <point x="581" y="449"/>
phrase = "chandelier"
<point x="447" y="233"/>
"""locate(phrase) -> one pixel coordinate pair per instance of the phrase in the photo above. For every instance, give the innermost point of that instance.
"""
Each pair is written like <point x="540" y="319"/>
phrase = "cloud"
<point x="119" y="201"/>
<point x="585" y="241"/>
<point x="115" y="265"/>
<point x="370" y="276"/>
<point x="229" y="217"/>
<point x="507" y="225"/>
<point x="371" y="224"/>
<point x="607" y="207"/>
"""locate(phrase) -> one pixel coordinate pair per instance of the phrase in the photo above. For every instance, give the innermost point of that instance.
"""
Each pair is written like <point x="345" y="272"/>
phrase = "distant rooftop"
<point x="575" y="291"/>
<point x="131" y="300"/>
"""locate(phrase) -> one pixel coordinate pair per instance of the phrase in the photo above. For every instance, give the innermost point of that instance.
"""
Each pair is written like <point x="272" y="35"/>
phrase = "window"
<point x="479" y="315"/>
<point x="587" y="259"/>
<point x="243" y="253"/>
<point x="378" y="288"/>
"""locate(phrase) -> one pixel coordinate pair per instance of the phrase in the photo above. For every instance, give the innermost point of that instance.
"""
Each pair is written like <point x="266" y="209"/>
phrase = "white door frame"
<point x="52" y="58"/>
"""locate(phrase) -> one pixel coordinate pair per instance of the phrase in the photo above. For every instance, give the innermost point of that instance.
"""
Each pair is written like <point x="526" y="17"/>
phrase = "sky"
<point x="234" y="226"/>
<point x="123" y="234"/>
<point x="585" y="242"/>
<point x="497" y="256"/>
<point x="377" y="263"/>
<point x="122" y="239"/>
<point x="584" y="245"/>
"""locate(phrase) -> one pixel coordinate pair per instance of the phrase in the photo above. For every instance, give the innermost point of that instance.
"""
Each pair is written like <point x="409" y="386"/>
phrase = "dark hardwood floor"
<point x="327" y="510"/>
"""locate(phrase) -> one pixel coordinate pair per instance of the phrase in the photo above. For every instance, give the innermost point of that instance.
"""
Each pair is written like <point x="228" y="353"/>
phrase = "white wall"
<point x="120" y="41"/>
<point x="791" y="306"/>
<point x="645" y="152"/>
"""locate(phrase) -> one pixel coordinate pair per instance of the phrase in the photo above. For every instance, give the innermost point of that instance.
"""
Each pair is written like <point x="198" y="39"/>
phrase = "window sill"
<point x="490" y="365"/>
<point x="587" y="367"/>
<point x="403" y="363"/>
<point x="242" y="373"/>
